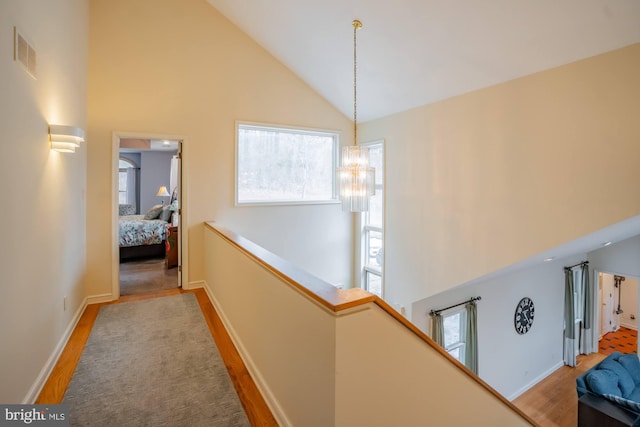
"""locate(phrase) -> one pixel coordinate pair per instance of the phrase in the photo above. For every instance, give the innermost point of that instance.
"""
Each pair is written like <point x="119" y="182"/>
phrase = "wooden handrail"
<point x="322" y="292"/>
<point x="337" y="299"/>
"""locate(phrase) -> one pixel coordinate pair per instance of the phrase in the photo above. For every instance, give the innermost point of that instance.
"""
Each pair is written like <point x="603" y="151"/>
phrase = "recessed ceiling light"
<point x="607" y="243"/>
<point x="551" y="258"/>
<point x="166" y="143"/>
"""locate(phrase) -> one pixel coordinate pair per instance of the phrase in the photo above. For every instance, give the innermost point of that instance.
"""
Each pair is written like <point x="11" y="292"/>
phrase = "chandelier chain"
<point x="356" y="24"/>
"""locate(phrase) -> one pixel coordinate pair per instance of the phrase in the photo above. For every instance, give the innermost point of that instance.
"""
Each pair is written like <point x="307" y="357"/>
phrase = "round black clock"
<point x="523" y="318"/>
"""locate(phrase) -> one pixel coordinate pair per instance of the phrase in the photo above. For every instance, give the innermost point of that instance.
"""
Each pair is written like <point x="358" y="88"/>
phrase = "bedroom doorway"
<point x="148" y="194"/>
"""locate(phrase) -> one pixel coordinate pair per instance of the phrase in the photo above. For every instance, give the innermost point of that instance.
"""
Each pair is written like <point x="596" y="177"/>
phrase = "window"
<point x="578" y="294"/>
<point x="125" y="168"/>
<point x="372" y="236"/>
<point x="454" y="333"/>
<point x="277" y="165"/>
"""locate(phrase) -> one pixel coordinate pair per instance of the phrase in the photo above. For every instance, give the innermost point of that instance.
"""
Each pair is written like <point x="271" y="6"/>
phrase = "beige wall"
<point x="318" y="367"/>
<point x="386" y="376"/>
<point x="179" y="67"/>
<point x="286" y="339"/>
<point x="43" y="233"/>
<point x="480" y="181"/>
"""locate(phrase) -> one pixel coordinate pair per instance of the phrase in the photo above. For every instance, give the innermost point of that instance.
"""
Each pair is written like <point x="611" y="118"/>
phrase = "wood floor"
<point x="254" y="405"/>
<point x="553" y="402"/>
<point x="146" y="275"/>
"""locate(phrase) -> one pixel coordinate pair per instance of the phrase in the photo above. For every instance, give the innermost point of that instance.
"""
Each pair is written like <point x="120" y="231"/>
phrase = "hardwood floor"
<point x="553" y="402"/>
<point x="254" y="405"/>
<point x="142" y="276"/>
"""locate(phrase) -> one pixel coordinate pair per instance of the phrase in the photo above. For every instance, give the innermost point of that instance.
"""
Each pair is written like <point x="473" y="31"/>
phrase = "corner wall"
<point x="179" y="67"/>
<point x="508" y="172"/>
<point x="43" y="236"/>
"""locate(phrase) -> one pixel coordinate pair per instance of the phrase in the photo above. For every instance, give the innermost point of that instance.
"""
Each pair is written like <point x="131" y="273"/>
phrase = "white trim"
<point x="629" y="326"/>
<point x="257" y="377"/>
<point x="536" y="380"/>
<point x="197" y="284"/>
<point x="361" y="270"/>
<point x="95" y="299"/>
<point x="43" y="376"/>
<point x="184" y="223"/>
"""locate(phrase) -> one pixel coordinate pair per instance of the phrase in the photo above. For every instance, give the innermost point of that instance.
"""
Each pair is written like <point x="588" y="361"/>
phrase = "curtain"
<point x="437" y="329"/>
<point x="173" y="177"/>
<point x="569" y="319"/>
<point x="586" y="332"/>
<point x="471" y="352"/>
<point x="131" y="188"/>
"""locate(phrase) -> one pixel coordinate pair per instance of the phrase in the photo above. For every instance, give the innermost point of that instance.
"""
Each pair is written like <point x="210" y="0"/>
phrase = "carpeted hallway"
<point x="152" y="362"/>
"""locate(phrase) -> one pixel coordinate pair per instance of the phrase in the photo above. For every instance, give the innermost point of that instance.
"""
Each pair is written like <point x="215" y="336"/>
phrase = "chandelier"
<point x="355" y="176"/>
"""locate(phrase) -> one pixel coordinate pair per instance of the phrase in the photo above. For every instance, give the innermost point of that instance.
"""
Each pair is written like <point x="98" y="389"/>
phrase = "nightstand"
<point x="171" y="249"/>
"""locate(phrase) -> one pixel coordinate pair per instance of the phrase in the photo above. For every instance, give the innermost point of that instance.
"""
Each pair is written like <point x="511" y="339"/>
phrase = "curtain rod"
<point x="472" y="299"/>
<point x="576" y="265"/>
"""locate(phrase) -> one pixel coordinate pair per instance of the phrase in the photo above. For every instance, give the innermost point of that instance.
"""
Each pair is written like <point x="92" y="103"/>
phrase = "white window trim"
<point x="362" y="267"/>
<point x="293" y="129"/>
<point x="462" y="343"/>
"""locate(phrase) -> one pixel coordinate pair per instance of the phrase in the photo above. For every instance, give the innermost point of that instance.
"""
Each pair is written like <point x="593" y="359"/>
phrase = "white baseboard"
<point x="536" y="380"/>
<point x="266" y="392"/>
<point x="197" y="285"/>
<point x="629" y="326"/>
<point x="94" y="299"/>
<point x="43" y="376"/>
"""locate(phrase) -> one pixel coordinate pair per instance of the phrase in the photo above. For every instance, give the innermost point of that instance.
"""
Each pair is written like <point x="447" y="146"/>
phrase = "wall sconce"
<point x="65" y="139"/>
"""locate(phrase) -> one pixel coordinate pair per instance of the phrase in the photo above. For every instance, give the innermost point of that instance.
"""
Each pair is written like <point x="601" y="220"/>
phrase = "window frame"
<point x="132" y="165"/>
<point x="290" y="129"/>
<point x="365" y="228"/>
<point x="462" y="342"/>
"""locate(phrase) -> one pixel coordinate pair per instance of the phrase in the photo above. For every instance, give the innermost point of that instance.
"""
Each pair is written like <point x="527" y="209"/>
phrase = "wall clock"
<point x="523" y="318"/>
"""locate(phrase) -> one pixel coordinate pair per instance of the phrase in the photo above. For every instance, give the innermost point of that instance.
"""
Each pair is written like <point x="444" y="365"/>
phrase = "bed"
<point x="141" y="237"/>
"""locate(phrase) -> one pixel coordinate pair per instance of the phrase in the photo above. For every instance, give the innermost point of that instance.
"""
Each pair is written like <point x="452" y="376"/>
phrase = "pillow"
<point x="603" y="381"/>
<point x="165" y="214"/>
<point x="126" y="209"/>
<point x="154" y="212"/>
<point x="625" y="381"/>
<point x="629" y="404"/>
<point x="631" y="364"/>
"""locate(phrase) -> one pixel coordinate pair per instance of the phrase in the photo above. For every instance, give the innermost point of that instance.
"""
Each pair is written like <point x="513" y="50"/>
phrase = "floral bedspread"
<point x="136" y="231"/>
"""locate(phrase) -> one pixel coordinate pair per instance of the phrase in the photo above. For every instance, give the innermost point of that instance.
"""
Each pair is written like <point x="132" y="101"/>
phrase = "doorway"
<point x="149" y="196"/>
<point x="618" y="306"/>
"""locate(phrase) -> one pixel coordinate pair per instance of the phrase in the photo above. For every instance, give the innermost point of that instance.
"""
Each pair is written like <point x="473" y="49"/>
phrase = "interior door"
<point x="607" y="306"/>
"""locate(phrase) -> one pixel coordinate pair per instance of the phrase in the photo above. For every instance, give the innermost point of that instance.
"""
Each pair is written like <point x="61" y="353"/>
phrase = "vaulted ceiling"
<point x="415" y="52"/>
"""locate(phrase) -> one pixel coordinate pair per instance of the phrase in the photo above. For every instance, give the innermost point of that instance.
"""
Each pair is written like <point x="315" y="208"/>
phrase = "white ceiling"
<point x="414" y="52"/>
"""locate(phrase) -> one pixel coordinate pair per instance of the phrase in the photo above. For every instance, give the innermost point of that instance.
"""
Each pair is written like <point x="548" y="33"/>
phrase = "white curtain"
<point x="173" y="177"/>
<point x="131" y="188"/>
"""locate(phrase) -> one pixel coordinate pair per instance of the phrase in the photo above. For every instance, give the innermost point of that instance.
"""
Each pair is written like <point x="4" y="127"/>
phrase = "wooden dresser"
<point x="171" y="250"/>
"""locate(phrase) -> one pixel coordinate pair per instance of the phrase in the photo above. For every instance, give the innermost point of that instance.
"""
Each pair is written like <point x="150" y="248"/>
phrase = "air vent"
<point x="24" y="53"/>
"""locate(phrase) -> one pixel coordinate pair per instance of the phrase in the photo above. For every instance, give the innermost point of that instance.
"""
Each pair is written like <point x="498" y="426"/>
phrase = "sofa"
<point x="609" y="392"/>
